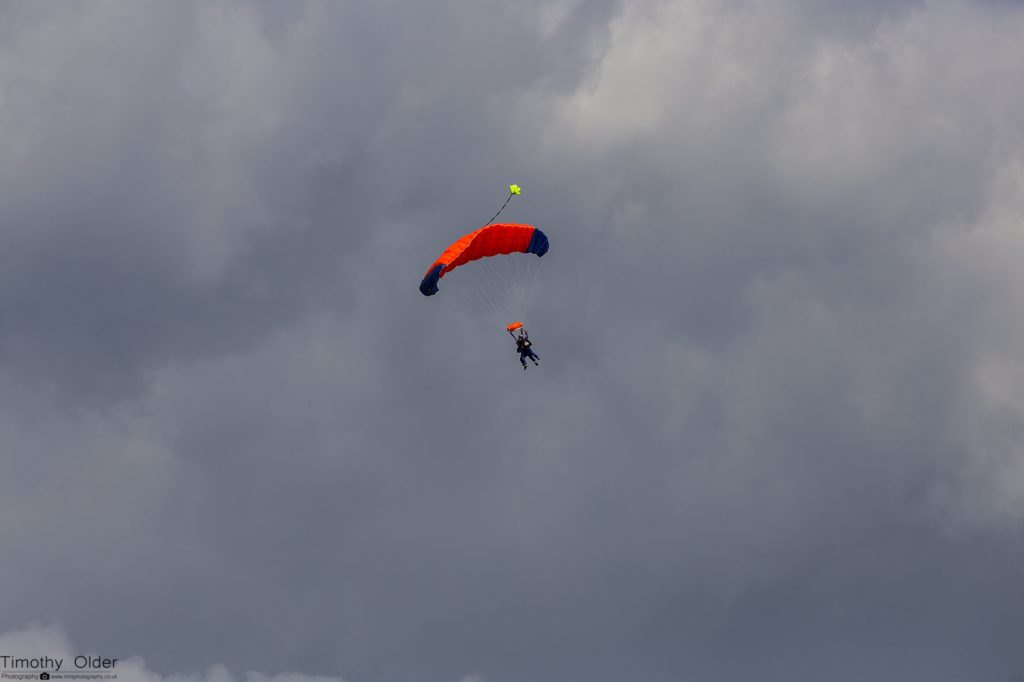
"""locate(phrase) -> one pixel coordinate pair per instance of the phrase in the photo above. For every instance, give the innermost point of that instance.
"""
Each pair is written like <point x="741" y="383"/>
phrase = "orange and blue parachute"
<point x="490" y="240"/>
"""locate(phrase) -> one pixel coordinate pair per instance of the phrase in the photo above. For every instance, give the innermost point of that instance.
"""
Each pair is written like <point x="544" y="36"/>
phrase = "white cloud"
<point x="38" y="641"/>
<point x="42" y="641"/>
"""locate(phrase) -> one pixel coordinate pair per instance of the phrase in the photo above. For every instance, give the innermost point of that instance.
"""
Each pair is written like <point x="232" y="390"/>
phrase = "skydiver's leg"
<point x="522" y="359"/>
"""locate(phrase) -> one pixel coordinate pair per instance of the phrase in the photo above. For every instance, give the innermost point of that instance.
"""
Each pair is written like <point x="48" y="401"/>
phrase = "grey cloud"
<point x="774" y="432"/>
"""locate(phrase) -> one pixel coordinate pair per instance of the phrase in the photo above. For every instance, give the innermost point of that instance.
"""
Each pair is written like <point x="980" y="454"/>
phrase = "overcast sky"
<point x="778" y="430"/>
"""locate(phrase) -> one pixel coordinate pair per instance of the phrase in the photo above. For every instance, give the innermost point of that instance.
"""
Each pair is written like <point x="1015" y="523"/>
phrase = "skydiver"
<point x="525" y="349"/>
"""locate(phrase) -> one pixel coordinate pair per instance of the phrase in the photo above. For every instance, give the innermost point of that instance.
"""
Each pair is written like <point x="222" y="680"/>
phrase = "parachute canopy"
<point x="490" y="240"/>
<point x="514" y="326"/>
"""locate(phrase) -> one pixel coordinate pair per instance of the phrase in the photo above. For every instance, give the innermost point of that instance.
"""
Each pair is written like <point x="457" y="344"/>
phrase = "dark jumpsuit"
<point x="523" y="345"/>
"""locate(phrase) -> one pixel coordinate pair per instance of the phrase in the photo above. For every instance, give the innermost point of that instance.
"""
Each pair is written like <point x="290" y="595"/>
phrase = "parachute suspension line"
<point x="532" y="275"/>
<point x="511" y="266"/>
<point x="499" y="289"/>
<point x="520" y="288"/>
<point x="509" y="281"/>
<point x="486" y="279"/>
<point x="514" y="282"/>
<point x="504" y="281"/>
<point x="520" y="282"/>
<point x="479" y="281"/>
<point x="482" y="279"/>
<point x="469" y="287"/>
<point x="469" y="290"/>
